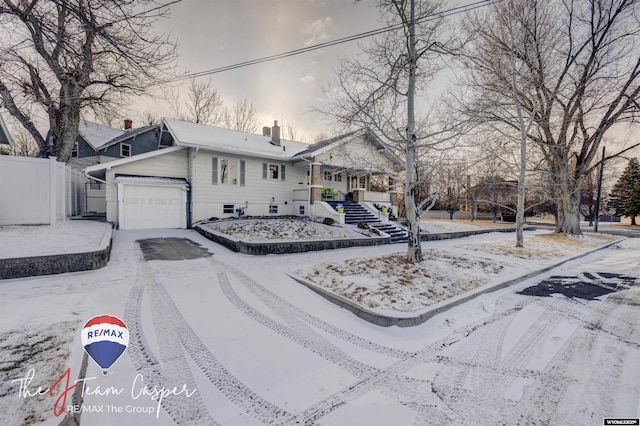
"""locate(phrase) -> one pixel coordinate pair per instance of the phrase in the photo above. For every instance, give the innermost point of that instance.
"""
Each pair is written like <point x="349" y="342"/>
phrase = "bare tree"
<point x="241" y="117"/>
<point x="149" y="118"/>
<point x="378" y="90"/>
<point x="202" y="104"/>
<point x="23" y="145"/>
<point x="291" y="133"/>
<point x="72" y="56"/>
<point x="578" y="76"/>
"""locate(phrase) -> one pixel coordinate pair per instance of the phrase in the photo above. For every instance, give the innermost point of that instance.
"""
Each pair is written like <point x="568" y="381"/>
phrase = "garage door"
<point x="152" y="206"/>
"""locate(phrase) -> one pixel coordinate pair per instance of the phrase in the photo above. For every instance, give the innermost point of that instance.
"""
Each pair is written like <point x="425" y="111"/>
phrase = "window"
<point x="327" y="176"/>
<point x="228" y="208"/>
<point x="363" y="182"/>
<point x="338" y="177"/>
<point x="228" y="171"/>
<point x="95" y="185"/>
<point x="301" y="210"/>
<point x="74" y="152"/>
<point x="125" y="150"/>
<point x="273" y="171"/>
<point x="273" y="209"/>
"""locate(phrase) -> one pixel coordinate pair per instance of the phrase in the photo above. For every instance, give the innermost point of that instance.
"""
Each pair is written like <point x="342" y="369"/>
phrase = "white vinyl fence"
<point x="39" y="191"/>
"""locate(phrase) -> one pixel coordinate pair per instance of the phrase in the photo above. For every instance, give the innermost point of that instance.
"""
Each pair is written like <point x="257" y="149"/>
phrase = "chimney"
<point x="266" y="131"/>
<point x="275" y="134"/>
<point x="127" y="123"/>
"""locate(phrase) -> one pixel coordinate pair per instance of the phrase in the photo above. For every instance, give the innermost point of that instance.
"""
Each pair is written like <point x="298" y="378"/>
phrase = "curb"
<point x="462" y="234"/>
<point x="77" y="398"/>
<point x="21" y="267"/>
<point x="387" y="321"/>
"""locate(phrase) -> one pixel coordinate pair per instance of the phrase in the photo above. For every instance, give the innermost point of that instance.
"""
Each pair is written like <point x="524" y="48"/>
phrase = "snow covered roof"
<point x="132" y="159"/>
<point x="128" y="134"/>
<point x="96" y="134"/>
<point x="5" y="137"/>
<point x="229" y="141"/>
<point x="329" y="144"/>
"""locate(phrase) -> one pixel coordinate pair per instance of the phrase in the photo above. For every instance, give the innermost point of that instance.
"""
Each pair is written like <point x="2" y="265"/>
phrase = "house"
<point x="202" y="171"/>
<point x="98" y="144"/>
<point x="5" y="137"/>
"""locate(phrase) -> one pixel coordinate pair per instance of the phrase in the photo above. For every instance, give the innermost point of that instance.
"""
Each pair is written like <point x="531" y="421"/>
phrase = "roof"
<point x="329" y="144"/>
<point x="96" y="134"/>
<point x="189" y="134"/>
<point x="129" y="134"/>
<point x="133" y="158"/>
<point x="151" y="180"/>
<point x="5" y="137"/>
<point x="312" y="149"/>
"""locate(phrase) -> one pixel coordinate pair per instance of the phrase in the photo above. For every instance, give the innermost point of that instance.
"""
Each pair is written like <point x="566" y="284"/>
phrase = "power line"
<point x="438" y="15"/>
<point x="430" y="17"/>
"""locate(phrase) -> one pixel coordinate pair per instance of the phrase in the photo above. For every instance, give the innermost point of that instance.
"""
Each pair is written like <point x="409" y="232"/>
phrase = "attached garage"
<point x="151" y="202"/>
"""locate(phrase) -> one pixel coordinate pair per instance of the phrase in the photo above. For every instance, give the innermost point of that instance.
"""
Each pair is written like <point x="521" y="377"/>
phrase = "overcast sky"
<point x="215" y="33"/>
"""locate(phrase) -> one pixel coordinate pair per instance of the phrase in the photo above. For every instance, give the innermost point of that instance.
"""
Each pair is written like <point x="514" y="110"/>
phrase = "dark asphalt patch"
<point x="172" y="249"/>
<point x="588" y="286"/>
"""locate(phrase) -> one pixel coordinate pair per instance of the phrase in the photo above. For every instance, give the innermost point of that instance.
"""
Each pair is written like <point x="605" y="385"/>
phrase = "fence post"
<point x="52" y="190"/>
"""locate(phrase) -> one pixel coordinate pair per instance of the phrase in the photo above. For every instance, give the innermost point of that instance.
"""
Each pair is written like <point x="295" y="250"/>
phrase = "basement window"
<point x="273" y="209"/>
<point x="301" y="210"/>
<point x="228" y="208"/>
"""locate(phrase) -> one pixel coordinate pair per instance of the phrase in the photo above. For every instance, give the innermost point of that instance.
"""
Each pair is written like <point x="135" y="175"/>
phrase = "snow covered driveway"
<point x="259" y="348"/>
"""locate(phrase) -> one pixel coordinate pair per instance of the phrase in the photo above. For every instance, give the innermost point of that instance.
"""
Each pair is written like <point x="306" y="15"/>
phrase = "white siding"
<point x="168" y="165"/>
<point x="257" y="194"/>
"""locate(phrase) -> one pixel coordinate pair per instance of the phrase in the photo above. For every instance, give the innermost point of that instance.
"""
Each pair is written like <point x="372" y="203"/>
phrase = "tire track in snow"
<point x="298" y="333"/>
<point x="182" y="410"/>
<point x="278" y="304"/>
<point x="169" y="320"/>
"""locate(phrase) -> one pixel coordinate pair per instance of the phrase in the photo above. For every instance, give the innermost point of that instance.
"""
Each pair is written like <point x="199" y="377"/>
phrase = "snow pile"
<point x="75" y="236"/>
<point x="258" y="230"/>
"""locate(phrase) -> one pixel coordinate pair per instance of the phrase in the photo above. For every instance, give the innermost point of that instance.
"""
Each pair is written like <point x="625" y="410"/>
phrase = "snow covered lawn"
<point x="434" y="226"/>
<point x="73" y="236"/>
<point x="258" y="230"/>
<point x="391" y="284"/>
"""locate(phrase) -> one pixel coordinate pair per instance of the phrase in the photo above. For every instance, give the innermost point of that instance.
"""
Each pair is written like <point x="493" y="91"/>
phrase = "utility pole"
<point x="595" y="228"/>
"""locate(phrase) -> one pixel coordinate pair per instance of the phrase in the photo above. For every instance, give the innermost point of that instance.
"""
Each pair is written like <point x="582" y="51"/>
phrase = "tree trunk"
<point x="633" y="221"/>
<point x="570" y="208"/>
<point x="451" y="214"/>
<point x="414" y="248"/>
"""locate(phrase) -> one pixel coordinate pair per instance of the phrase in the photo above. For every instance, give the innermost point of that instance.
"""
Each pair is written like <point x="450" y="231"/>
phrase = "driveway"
<point x="229" y="339"/>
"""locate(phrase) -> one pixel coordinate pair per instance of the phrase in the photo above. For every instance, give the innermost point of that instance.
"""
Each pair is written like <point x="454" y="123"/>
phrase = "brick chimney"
<point x="127" y="123"/>
<point x="275" y="134"/>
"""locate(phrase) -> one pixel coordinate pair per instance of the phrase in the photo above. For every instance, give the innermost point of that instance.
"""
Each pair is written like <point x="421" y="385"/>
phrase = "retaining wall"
<point x="285" y="247"/>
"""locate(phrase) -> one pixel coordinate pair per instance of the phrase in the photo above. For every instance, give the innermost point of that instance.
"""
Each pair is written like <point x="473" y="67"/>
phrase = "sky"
<point x="215" y="33"/>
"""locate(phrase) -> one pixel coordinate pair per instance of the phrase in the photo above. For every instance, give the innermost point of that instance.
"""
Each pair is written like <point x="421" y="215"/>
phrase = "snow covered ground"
<point x="73" y="236"/>
<point x="390" y="284"/>
<point x="434" y="226"/>
<point x="249" y="345"/>
<point x="258" y="230"/>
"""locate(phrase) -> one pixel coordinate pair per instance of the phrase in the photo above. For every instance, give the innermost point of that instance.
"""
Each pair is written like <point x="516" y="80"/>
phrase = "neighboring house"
<point x="98" y="144"/>
<point x="5" y="137"/>
<point x="204" y="172"/>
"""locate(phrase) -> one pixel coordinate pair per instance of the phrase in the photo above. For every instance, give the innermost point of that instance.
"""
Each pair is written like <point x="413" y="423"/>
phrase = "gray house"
<point x="98" y="144"/>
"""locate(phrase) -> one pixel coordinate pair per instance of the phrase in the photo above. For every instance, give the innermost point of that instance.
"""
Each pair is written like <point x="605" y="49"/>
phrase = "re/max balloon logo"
<point x="105" y="338"/>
